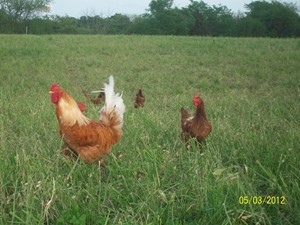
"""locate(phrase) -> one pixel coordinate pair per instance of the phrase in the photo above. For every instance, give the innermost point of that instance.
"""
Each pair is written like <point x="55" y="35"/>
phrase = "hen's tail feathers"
<point x="112" y="112"/>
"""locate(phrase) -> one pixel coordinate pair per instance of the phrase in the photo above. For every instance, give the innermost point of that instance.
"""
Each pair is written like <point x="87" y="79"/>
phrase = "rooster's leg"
<point x="68" y="153"/>
<point x="100" y="162"/>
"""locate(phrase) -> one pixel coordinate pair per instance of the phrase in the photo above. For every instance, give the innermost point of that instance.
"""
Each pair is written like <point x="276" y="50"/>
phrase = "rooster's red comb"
<point x="54" y="87"/>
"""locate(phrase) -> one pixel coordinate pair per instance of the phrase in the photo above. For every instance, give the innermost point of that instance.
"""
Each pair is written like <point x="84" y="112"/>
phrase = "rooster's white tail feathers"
<point x="114" y="105"/>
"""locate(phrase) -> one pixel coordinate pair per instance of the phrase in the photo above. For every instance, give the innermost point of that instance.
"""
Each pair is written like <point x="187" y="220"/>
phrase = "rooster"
<point x="196" y="126"/>
<point x="98" y="100"/>
<point x="139" y="100"/>
<point x="89" y="140"/>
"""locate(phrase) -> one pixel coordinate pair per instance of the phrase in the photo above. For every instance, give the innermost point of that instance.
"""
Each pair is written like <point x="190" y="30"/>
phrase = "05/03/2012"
<point x="259" y="200"/>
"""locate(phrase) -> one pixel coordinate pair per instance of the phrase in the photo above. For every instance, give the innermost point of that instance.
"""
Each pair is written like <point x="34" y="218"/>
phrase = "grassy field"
<point x="248" y="173"/>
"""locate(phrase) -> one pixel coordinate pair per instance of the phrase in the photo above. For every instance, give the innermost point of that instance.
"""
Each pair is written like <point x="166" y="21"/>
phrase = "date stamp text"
<point x="261" y="200"/>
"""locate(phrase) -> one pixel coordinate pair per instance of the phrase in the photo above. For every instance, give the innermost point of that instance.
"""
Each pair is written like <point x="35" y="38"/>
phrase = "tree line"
<point x="261" y="19"/>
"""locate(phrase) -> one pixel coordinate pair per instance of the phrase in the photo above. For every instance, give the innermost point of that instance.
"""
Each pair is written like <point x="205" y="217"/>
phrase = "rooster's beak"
<point x="51" y="92"/>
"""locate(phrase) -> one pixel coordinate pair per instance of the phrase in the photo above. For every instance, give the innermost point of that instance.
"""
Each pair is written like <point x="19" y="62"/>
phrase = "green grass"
<point x="251" y="91"/>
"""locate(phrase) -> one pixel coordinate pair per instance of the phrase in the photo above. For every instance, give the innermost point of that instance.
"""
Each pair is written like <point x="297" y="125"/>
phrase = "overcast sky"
<point x="77" y="8"/>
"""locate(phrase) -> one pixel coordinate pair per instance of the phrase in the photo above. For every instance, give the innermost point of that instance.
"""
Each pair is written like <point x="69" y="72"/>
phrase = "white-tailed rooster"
<point x="90" y="140"/>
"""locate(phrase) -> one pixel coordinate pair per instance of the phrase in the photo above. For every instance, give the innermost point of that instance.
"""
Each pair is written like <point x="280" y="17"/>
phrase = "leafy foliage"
<point x="273" y="19"/>
<point x="160" y="6"/>
<point x="279" y="19"/>
<point x="23" y="10"/>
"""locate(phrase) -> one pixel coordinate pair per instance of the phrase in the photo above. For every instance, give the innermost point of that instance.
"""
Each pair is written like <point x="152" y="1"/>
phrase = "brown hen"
<point x="196" y="126"/>
<point x="139" y="99"/>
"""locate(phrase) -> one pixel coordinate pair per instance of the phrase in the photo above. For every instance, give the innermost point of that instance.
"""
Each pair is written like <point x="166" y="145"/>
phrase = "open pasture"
<point x="251" y="90"/>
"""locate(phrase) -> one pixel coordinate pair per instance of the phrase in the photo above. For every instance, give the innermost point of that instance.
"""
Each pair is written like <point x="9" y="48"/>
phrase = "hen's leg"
<point x="185" y="136"/>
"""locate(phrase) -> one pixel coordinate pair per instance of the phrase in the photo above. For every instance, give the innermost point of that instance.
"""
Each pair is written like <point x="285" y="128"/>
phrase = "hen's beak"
<point x="51" y="92"/>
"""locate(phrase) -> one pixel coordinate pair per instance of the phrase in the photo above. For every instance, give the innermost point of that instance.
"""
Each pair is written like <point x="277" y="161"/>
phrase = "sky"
<point x="104" y="8"/>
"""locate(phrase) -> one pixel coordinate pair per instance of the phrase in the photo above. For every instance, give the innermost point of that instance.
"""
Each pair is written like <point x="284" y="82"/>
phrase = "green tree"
<point x="159" y="6"/>
<point x="44" y="25"/>
<point x="93" y="24"/>
<point x="221" y="21"/>
<point x="118" y="24"/>
<point x="214" y="21"/>
<point x="165" y="20"/>
<point x="145" y="24"/>
<point x="250" y="27"/>
<point x="6" y="22"/>
<point x="280" y="19"/>
<point x="198" y="11"/>
<point x="22" y="10"/>
<point x="67" y="25"/>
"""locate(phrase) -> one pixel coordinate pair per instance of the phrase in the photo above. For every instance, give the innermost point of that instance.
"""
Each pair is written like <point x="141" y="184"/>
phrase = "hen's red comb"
<point x="196" y="100"/>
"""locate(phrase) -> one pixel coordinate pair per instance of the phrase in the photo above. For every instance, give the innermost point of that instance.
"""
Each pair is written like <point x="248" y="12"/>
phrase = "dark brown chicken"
<point x="196" y="126"/>
<point x="98" y="100"/>
<point x="139" y="99"/>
